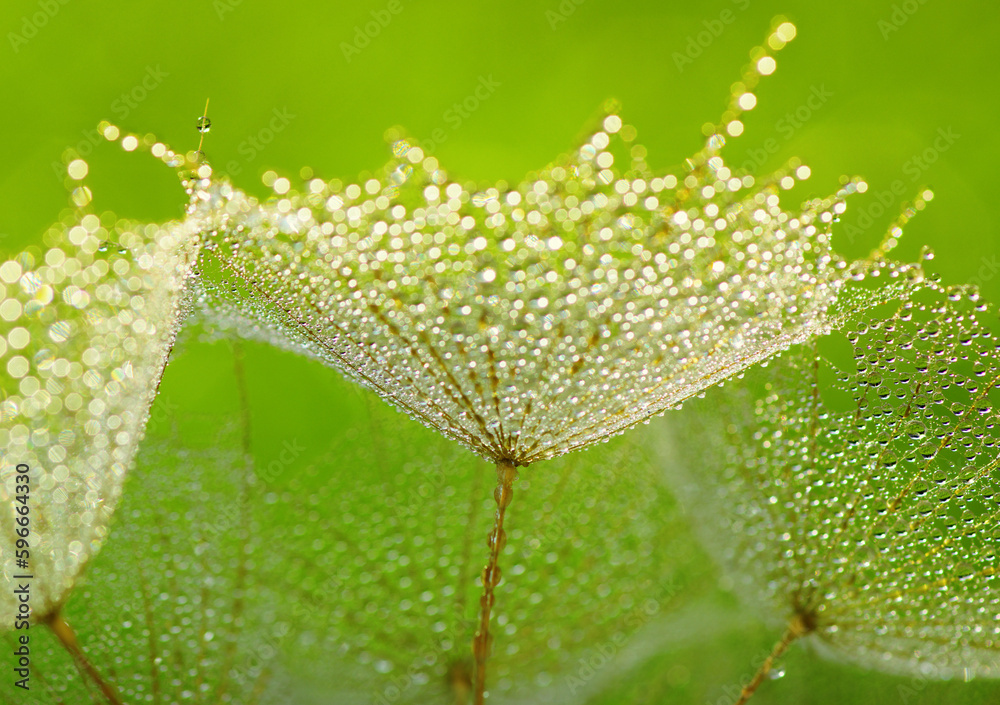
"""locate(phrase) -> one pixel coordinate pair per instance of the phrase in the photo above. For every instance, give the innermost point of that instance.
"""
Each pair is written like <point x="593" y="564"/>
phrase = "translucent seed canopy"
<point x="85" y="330"/>
<point x="375" y="592"/>
<point x="868" y="499"/>
<point x="529" y="320"/>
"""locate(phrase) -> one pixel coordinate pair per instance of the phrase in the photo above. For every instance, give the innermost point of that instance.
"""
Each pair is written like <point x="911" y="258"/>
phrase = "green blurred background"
<point x="889" y="93"/>
<point x="892" y="75"/>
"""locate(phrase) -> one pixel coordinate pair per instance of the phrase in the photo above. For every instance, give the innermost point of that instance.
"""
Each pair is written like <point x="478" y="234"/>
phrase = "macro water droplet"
<point x="873" y="517"/>
<point x="81" y="196"/>
<point x="400" y="148"/>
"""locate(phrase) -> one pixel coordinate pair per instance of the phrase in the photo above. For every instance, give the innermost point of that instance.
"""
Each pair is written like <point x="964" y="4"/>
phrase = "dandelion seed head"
<point x="85" y="333"/>
<point x="535" y="319"/>
<point x="864" y="493"/>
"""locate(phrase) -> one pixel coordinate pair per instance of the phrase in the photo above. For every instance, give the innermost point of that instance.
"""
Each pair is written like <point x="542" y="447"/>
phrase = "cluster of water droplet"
<point x="531" y="319"/>
<point x="165" y="613"/>
<point x="524" y="321"/>
<point x="869" y="499"/>
<point x="373" y="593"/>
<point x="406" y="572"/>
<point x="85" y="329"/>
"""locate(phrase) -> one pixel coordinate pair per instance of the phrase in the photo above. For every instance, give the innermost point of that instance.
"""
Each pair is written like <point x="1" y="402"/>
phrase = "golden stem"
<point x="798" y="627"/>
<point x="67" y="637"/>
<point x="483" y="642"/>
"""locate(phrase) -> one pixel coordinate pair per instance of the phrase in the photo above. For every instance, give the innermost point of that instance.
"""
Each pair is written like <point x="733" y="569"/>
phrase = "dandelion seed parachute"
<point x="530" y="320"/>
<point x="865" y="500"/>
<point x="365" y="601"/>
<point x="85" y="331"/>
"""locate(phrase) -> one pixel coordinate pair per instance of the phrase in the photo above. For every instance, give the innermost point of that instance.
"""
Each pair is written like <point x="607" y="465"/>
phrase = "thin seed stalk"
<point x="67" y="637"/>
<point x="482" y="644"/>
<point x="799" y="626"/>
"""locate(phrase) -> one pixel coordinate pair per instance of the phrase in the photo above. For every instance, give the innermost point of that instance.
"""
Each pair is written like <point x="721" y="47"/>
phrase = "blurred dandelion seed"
<point x="86" y="331"/>
<point x="871" y="525"/>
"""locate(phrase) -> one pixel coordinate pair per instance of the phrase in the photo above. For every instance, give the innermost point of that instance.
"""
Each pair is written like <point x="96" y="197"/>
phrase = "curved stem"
<point x="482" y="644"/>
<point x="799" y="626"/>
<point x="67" y="637"/>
